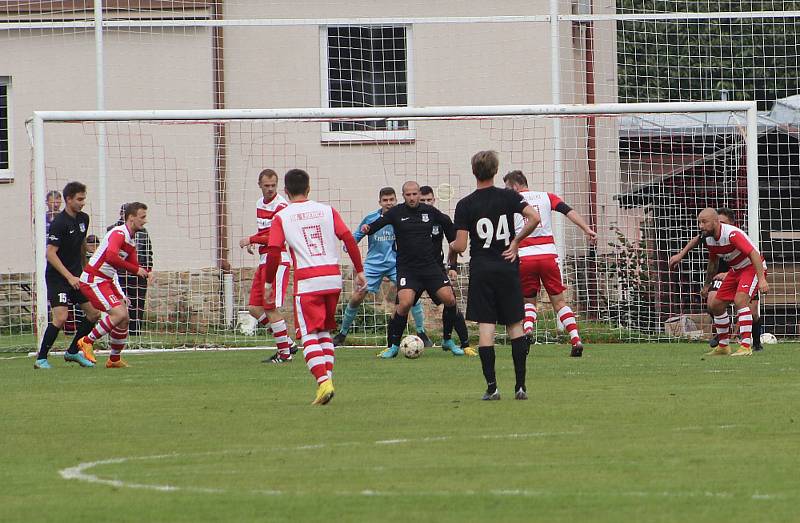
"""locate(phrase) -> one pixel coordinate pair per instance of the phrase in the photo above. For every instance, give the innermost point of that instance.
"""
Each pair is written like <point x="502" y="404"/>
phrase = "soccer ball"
<point x="412" y="347"/>
<point x="246" y="324"/>
<point x="768" y="339"/>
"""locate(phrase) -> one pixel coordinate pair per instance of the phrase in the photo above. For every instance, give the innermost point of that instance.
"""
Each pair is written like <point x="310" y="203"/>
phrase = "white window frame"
<point x="7" y="175"/>
<point x="398" y="136"/>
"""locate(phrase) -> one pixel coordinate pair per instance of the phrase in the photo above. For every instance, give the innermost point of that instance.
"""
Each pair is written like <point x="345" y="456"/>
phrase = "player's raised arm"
<point x="691" y="244"/>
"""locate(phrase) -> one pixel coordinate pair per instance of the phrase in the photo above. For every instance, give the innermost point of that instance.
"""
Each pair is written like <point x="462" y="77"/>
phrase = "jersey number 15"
<point x="488" y="232"/>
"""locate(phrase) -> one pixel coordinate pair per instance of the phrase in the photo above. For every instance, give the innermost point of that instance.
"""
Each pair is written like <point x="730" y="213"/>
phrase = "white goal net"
<point x="637" y="173"/>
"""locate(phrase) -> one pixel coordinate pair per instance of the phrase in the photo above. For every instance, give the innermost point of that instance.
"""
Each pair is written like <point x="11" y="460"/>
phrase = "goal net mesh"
<point x="639" y="180"/>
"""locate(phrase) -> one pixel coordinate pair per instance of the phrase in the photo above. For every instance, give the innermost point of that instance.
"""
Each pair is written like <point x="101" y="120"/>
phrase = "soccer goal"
<point x="638" y="173"/>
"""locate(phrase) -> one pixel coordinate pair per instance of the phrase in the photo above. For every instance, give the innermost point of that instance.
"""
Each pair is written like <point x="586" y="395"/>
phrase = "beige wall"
<point x="171" y="167"/>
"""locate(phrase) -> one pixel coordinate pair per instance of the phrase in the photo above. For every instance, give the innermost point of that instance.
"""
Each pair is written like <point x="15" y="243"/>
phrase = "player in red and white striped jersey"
<point x="100" y="282"/>
<point x="747" y="274"/>
<point x="538" y="258"/>
<point x="312" y="231"/>
<point x="263" y="305"/>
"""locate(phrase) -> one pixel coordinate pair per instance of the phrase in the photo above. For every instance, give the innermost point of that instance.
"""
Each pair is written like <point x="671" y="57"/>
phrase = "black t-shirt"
<point x="413" y="229"/>
<point x="437" y="235"/>
<point x="68" y="234"/>
<point x="488" y="215"/>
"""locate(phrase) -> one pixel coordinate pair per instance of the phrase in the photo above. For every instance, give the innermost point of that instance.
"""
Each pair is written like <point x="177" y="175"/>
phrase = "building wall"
<point x="172" y="167"/>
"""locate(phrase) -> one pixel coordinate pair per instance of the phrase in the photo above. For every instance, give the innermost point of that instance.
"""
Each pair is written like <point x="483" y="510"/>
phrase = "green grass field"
<point x="628" y="433"/>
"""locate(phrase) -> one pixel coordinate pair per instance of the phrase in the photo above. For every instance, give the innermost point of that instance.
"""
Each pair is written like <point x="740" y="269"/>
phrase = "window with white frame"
<point x="5" y="131"/>
<point x="366" y="66"/>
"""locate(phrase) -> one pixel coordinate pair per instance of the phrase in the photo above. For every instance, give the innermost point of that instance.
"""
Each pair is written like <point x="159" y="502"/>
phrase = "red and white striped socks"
<point x="530" y="318"/>
<point x="315" y="357"/>
<point x="745" y="321"/>
<point x="326" y="342"/>
<point x="722" y="324"/>
<point x="101" y="328"/>
<point x="116" y="342"/>
<point x="281" y="334"/>
<point x="567" y="318"/>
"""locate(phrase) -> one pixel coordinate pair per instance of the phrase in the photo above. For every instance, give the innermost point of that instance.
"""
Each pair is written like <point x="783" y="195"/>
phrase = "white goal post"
<point x="745" y="116"/>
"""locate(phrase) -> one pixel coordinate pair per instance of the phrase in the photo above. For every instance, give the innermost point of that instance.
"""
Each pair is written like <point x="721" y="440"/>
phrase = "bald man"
<point x="418" y="266"/>
<point x="746" y="276"/>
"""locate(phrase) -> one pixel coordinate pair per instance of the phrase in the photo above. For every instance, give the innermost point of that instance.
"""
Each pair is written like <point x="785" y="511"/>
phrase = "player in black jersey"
<point x="417" y="267"/>
<point x="486" y="217"/>
<point x="66" y="256"/>
<point x="437" y="236"/>
<point x="725" y="216"/>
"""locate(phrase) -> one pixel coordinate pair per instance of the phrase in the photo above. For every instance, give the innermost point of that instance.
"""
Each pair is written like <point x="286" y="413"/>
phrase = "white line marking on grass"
<point x="81" y="472"/>
<point x="105" y="352"/>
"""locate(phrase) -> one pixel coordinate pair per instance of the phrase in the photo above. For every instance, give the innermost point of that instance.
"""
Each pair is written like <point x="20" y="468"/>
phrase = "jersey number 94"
<point x="488" y="232"/>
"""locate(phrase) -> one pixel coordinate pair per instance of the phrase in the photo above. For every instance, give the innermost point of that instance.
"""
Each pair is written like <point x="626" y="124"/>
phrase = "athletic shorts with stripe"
<point x="315" y="313"/>
<point x="275" y="298"/>
<point x="743" y="280"/>
<point x="533" y="272"/>
<point x="103" y="294"/>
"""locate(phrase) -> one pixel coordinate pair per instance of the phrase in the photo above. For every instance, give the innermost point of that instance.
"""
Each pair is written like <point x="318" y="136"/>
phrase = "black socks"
<point x="397" y="326"/>
<point x="83" y="330"/>
<point x="487" y="364"/>
<point x="50" y="335"/>
<point x="519" y="352"/>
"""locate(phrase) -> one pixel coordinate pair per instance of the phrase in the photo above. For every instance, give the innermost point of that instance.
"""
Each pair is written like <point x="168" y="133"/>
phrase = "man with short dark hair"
<point x="380" y="262"/>
<point x="66" y="254"/>
<point x="312" y="232"/>
<point x="437" y="236"/>
<point x="486" y="219"/>
<point x="538" y="258"/>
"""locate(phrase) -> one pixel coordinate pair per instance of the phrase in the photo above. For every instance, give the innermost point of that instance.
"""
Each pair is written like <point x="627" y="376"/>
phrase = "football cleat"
<point x="78" y="358"/>
<point x="426" y="341"/>
<point x="389" y="353"/>
<point x="87" y="348"/>
<point x="721" y="350"/>
<point x="119" y="364"/>
<point x="743" y="352"/>
<point x="278" y="359"/>
<point x="521" y="394"/>
<point x="713" y="342"/>
<point x="324" y="393"/>
<point x="491" y="396"/>
<point x="293" y="349"/>
<point x="41" y="364"/>
<point x="577" y="350"/>
<point x="339" y="339"/>
<point x="469" y="351"/>
<point x="448" y="344"/>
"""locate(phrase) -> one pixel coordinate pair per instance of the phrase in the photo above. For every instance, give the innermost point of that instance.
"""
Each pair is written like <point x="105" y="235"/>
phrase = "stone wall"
<point x="16" y="302"/>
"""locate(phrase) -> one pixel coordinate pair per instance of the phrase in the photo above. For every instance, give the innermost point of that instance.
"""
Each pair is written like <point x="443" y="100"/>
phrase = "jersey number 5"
<point x="487" y="232"/>
<point x="314" y="241"/>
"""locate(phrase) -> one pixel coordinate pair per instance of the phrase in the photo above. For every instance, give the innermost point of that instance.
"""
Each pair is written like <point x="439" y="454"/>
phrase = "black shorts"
<point x="494" y="297"/>
<point x="428" y="280"/>
<point x="61" y="294"/>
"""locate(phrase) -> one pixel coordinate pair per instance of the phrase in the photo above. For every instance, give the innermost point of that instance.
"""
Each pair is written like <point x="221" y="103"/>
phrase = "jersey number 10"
<point x="487" y="232"/>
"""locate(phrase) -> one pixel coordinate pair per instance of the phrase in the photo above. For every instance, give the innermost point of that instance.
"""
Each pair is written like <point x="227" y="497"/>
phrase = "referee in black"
<point x="418" y="268"/>
<point x="487" y="217"/>
<point x="66" y="256"/>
